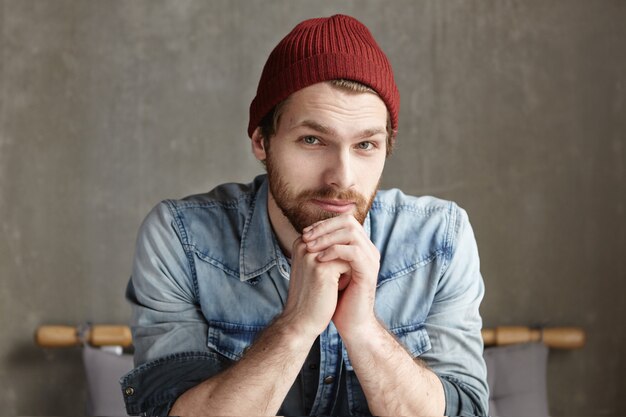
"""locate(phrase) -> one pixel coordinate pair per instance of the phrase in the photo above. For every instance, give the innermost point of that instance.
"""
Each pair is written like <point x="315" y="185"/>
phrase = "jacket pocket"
<point x="414" y="338"/>
<point x="231" y="340"/>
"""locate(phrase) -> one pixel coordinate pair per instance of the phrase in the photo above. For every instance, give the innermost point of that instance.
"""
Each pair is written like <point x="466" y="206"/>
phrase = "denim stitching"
<point x="185" y="240"/>
<point x="174" y="357"/>
<point x="411" y="268"/>
<point x="158" y="399"/>
<point x="408" y="328"/>
<point x="452" y="227"/>
<point x="466" y="388"/>
<point x="237" y="327"/>
<point x="394" y="208"/>
<point x="236" y="274"/>
<point x="413" y="329"/>
<point x="214" y="262"/>
<point x="228" y="204"/>
<point x="264" y="268"/>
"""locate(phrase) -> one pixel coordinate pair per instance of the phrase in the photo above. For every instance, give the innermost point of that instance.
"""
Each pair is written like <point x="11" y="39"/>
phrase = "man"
<point x="308" y="291"/>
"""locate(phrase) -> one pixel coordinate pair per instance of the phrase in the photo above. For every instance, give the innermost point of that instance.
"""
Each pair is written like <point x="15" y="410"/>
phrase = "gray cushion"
<point x="104" y="369"/>
<point x="517" y="380"/>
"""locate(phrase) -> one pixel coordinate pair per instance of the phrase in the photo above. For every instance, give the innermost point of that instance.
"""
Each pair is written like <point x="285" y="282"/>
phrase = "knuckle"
<point x="349" y="217"/>
<point x="357" y="255"/>
<point x="352" y="223"/>
<point x="322" y="240"/>
<point x="356" y="229"/>
<point x="299" y="246"/>
<point x="309" y="259"/>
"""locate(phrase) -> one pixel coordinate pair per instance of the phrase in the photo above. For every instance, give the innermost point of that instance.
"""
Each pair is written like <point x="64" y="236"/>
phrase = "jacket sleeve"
<point x="169" y="330"/>
<point x="152" y="388"/>
<point x="454" y="323"/>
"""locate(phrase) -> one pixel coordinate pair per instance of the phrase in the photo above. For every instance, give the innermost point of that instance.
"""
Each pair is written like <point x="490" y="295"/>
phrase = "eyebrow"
<point x="326" y="130"/>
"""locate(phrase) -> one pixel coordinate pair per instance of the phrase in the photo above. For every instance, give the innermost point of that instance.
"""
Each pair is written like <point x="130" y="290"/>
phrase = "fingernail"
<point x="311" y="243"/>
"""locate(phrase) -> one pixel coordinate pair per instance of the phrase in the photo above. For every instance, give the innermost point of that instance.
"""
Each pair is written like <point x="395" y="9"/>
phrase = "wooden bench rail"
<point x="553" y="337"/>
<point x="119" y="335"/>
<point x="95" y="335"/>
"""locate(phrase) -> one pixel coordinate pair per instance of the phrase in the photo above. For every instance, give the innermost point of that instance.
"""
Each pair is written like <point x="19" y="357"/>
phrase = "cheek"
<point x="371" y="173"/>
<point x="301" y="163"/>
<point x="296" y="169"/>
<point x="292" y="168"/>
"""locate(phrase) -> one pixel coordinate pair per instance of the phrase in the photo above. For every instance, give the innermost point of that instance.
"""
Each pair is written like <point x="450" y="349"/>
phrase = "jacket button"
<point x="329" y="380"/>
<point x="129" y="391"/>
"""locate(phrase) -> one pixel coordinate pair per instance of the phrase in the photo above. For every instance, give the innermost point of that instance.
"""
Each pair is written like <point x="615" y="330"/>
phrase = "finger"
<point x="343" y="268"/>
<point x="344" y="280"/>
<point x="324" y="226"/>
<point x="359" y="259"/>
<point x="333" y="268"/>
<point x="296" y="242"/>
<point x="298" y="248"/>
<point x="345" y="253"/>
<point x="345" y="236"/>
<point x="327" y="226"/>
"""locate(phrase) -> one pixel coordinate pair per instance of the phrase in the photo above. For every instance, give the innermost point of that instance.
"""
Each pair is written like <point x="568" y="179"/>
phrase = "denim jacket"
<point x="208" y="276"/>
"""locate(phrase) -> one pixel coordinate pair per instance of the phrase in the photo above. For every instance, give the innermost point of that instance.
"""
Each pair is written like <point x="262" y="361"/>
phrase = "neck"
<point x="285" y="232"/>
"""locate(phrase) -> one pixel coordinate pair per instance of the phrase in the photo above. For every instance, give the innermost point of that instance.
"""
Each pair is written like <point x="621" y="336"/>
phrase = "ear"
<point x="258" y="148"/>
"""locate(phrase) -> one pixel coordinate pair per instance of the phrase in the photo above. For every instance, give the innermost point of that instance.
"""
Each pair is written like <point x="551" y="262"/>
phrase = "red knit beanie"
<point x="319" y="50"/>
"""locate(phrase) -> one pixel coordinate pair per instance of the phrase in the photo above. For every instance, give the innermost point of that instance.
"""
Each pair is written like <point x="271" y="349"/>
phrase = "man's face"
<point x="327" y="155"/>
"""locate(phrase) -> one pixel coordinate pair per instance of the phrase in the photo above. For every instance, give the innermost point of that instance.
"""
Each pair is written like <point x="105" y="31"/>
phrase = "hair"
<point x="269" y="123"/>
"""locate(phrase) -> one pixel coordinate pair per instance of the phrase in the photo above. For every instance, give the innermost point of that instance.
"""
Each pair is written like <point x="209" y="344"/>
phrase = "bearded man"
<point x="309" y="291"/>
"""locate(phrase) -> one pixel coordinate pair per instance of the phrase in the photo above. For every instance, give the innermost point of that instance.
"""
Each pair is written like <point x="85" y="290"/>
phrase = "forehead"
<point x="331" y="104"/>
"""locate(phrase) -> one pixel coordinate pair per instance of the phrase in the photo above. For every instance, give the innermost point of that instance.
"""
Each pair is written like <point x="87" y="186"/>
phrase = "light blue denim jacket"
<point x="208" y="276"/>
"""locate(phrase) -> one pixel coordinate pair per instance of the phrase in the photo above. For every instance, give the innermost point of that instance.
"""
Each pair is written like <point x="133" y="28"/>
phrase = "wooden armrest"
<point x="96" y="335"/>
<point x="553" y="337"/>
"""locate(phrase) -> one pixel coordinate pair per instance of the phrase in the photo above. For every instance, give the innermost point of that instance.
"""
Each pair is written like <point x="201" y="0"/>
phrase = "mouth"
<point x="335" y="206"/>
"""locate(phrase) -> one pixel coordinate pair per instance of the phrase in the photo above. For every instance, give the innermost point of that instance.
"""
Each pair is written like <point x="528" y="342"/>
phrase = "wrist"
<point x="365" y="332"/>
<point x="294" y="333"/>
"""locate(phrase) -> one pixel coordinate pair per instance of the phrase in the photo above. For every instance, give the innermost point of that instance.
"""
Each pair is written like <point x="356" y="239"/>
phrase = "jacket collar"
<point x="259" y="250"/>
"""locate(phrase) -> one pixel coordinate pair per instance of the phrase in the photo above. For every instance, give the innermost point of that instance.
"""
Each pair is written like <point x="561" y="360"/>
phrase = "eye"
<point x="310" y="140"/>
<point x="365" y="146"/>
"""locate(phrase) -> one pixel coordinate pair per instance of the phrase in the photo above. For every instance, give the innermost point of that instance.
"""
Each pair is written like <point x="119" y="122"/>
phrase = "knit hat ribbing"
<point x="322" y="49"/>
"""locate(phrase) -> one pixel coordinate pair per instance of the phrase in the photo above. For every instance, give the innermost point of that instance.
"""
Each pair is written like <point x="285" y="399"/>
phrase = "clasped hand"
<point x="334" y="271"/>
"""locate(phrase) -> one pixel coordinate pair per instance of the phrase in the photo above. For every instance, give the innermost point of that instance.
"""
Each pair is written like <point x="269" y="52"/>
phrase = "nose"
<point x="339" y="170"/>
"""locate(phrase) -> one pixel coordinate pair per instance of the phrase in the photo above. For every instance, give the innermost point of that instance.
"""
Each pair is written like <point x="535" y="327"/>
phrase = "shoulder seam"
<point x="392" y="208"/>
<point x="452" y="231"/>
<point x="232" y="203"/>
<point x="185" y="241"/>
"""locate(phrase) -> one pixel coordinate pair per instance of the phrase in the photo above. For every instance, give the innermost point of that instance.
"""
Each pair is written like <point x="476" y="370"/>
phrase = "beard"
<point x="297" y="206"/>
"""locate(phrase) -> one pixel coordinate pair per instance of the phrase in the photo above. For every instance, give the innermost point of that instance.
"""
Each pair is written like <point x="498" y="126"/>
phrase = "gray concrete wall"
<point x="516" y="110"/>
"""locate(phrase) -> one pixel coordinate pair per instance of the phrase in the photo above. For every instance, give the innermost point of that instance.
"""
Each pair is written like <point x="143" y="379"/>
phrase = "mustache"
<point x="329" y="193"/>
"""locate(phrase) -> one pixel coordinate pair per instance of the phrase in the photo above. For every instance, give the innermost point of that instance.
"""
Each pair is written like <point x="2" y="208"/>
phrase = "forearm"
<point x="255" y="385"/>
<point x="393" y="382"/>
